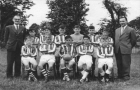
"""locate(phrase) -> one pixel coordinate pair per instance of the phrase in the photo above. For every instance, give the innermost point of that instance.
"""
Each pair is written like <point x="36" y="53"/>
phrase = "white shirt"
<point x="16" y="26"/>
<point x="122" y="29"/>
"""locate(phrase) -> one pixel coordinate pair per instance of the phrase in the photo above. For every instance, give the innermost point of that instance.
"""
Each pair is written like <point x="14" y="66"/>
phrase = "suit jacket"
<point x="126" y="41"/>
<point x="14" y="38"/>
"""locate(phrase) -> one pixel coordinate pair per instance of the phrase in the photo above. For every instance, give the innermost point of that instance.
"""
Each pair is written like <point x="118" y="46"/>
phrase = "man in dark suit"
<point x="125" y="40"/>
<point x="14" y="38"/>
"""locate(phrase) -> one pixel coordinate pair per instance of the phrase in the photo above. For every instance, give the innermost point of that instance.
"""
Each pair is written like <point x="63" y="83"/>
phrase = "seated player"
<point x="67" y="52"/>
<point x="85" y="60"/>
<point x="28" y="55"/>
<point x="105" y="57"/>
<point x="47" y="56"/>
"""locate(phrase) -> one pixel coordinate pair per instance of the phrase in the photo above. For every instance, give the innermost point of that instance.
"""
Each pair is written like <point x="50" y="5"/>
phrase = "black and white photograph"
<point x="69" y="44"/>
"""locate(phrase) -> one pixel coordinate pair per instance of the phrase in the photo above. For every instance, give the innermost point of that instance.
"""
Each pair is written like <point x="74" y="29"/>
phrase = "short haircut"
<point x="123" y="17"/>
<point x="62" y="27"/>
<point x="77" y="26"/>
<point x="85" y="36"/>
<point x="91" y="27"/>
<point x="68" y="37"/>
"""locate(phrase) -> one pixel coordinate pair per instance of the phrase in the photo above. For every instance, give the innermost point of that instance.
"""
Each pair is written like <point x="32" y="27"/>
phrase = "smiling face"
<point x="61" y="31"/>
<point x="105" y="34"/>
<point x="123" y="22"/>
<point x="17" y="20"/>
<point x="86" y="40"/>
<point x="45" y="31"/>
<point x="77" y="30"/>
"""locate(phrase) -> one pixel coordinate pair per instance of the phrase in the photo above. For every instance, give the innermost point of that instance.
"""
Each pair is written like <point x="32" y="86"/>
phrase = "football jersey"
<point x="34" y="40"/>
<point x="86" y="49"/>
<point x="59" y="39"/>
<point x="93" y="38"/>
<point x="47" y="48"/>
<point x="105" y="50"/>
<point x="67" y="49"/>
<point x="28" y="51"/>
<point x="102" y="40"/>
<point x="43" y="38"/>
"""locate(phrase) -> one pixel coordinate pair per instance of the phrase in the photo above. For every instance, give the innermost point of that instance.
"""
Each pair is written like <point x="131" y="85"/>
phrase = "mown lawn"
<point x="20" y="84"/>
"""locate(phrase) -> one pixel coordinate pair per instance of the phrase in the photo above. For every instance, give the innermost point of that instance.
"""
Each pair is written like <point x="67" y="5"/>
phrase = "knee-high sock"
<point x="28" y="71"/>
<point x="33" y="76"/>
<point x="44" y="73"/>
<point x="63" y="70"/>
<point x="85" y="74"/>
<point x="66" y="74"/>
<point x="48" y="72"/>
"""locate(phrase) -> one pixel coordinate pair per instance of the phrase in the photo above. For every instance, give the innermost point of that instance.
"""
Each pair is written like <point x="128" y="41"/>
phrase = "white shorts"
<point x="85" y="59"/>
<point x="27" y="60"/>
<point x="108" y="61"/>
<point x="72" y="60"/>
<point x="46" y="59"/>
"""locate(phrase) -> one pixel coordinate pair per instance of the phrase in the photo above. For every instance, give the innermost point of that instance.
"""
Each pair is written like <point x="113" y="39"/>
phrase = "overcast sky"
<point x="95" y="14"/>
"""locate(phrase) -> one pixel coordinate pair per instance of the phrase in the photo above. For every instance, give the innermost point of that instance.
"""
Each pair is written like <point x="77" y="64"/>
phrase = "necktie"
<point x="17" y="27"/>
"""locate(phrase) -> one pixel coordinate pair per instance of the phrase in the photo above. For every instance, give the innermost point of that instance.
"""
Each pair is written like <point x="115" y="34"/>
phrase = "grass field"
<point x="20" y="84"/>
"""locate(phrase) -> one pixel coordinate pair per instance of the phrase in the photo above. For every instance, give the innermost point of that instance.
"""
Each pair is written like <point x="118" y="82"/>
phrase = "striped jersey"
<point x="67" y="49"/>
<point x="93" y="38"/>
<point x="28" y="51"/>
<point x="34" y="40"/>
<point x="86" y="49"/>
<point x="59" y="39"/>
<point x="102" y="40"/>
<point x="47" y="48"/>
<point x="43" y="38"/>
<point x="105" y="50"/>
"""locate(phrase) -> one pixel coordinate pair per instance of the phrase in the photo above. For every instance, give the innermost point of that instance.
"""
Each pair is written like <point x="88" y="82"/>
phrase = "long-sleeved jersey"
<point x="43" y="38"/>
<point x="34" y="40"/>
<point x="28" y="51"/>
<point x="104" y="52"/>
<point x="47" y="48"/>
<point x="59" y="39"/>
<point x="107" y="40"/>
<point x="93" y="38"/>
<point x="67" y="49"/>
<point x="86" y="49"/>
